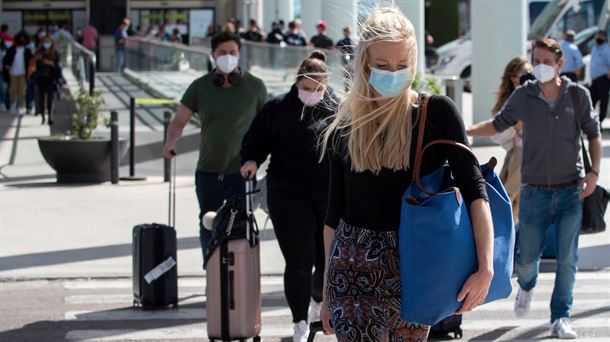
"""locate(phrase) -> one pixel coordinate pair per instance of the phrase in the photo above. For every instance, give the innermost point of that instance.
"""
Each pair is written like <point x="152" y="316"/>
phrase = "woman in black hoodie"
<point x="287" y="128"/>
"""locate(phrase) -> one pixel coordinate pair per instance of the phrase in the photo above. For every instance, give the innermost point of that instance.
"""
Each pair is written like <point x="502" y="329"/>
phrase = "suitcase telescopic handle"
<point x="249" y="206"/>
<point x="171" y="216"/>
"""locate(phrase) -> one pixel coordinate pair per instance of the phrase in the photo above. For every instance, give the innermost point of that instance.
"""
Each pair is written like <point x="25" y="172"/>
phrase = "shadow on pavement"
<point x="81" y="254"/>
<point x="14" y="262"/>
<point x="55" y="331"/>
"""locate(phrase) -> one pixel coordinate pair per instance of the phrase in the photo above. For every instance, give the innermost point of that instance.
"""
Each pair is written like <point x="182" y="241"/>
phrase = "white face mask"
<point x="8" y="44"/>
<point x="544" y="73"/>
<point x="227" y="63"/>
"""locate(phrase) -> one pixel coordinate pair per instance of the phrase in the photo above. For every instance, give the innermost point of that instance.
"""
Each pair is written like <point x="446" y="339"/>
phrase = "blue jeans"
<point x="539" y="208"/>
<point x="120" y="59"/>
<point x="212" y="189"/>
<point x="4" y="98"/>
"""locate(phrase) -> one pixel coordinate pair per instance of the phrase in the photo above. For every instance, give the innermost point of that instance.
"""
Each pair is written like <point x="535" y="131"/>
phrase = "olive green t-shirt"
<point x="226" y="115"/>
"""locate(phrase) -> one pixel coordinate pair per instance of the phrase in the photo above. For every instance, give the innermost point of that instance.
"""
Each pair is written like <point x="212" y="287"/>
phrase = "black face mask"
<point x="600" y="41"/>
<point x="526" y="77"/>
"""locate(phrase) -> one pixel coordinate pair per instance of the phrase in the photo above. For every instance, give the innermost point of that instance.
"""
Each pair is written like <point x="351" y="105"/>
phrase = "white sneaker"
<point x="301" y="332"/>
<point x="523" y="302"/>
<point x="561" y="328"/>
<point x="314" y="311"/>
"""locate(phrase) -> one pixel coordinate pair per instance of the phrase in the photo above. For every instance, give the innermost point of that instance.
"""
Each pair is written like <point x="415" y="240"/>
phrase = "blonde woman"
<point x="370" y="146"/>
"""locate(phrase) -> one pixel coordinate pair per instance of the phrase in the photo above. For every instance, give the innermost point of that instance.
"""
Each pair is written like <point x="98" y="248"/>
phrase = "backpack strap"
<point x="585" y="154"/>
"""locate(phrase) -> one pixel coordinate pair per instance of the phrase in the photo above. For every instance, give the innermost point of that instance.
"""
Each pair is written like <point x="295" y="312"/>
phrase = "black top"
<point x="295" y="39"/>
<point x="373" y="201"/>
<point x="275" y="37"/>
<point x="346" y="46"/>
<point x="9" y="58"/>
<point x="47" y="73"/>
<point x="254" y="36"/>
<point x="322" y="41"/>
<point x="292" y="142"/>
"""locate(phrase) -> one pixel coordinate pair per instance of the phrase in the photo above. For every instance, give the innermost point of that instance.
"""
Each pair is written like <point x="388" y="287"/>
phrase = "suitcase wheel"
<point x="256" y="339"/>
<point x="175" y="306"/>
<point x="458" y="333"/>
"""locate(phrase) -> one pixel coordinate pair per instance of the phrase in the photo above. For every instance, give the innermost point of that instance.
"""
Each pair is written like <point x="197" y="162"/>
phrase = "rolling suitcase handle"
<point x="252" y="229"/>
<point x="171" y="216"/>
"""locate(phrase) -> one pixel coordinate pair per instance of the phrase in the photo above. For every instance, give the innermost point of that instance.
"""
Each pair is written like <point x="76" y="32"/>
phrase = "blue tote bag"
<point x="436" y="240"/>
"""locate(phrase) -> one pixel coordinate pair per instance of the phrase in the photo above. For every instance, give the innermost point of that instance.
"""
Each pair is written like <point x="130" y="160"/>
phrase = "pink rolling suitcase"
<point x="233" y="273"/>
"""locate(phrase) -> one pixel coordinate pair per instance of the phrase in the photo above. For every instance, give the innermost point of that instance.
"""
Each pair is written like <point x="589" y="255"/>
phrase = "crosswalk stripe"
<point x="507" y="305"/>
<point x="183" y="332"/>
<point x="139" y="315"/>
<point x="122" y="298"/>
<point x="199" y="330"/>
<point x="492" y="324"/>
<point x="127" y="283"/>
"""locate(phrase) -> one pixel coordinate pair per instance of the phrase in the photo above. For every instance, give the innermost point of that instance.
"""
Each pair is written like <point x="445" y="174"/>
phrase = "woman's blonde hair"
<point x="379" y="137"/>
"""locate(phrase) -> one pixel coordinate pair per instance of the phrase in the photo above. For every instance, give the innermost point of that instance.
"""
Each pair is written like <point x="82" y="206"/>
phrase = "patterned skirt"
<point x="364" y="287"/>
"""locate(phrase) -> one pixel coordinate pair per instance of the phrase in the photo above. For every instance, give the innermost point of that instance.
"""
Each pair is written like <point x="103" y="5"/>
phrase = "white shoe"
<point x="523" y="302"/>
<point x="314" y="311"/>
<point x="301" y="332"/>
<point x="561" y="328"/>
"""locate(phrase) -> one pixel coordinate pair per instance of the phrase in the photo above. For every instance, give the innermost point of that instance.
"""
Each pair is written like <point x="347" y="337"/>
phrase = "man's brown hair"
<point x="549" y="45"/>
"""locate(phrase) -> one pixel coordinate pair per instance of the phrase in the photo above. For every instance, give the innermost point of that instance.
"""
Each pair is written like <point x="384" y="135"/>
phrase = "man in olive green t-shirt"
<point x="227" y="101"/>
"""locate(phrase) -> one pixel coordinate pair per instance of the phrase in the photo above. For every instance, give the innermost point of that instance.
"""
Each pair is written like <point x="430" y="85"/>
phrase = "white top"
<point x="18" y="66"/>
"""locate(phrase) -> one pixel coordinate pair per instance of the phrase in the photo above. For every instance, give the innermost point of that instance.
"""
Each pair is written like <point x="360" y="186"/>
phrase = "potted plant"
<point x="79" y="156"/>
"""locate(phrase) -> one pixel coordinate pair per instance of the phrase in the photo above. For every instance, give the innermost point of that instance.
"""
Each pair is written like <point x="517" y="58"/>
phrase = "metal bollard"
<point x="167" y="116"/>
<point x="114" y="141"/>
<point x="132" y="137"/>
<point x="132" y="143"/>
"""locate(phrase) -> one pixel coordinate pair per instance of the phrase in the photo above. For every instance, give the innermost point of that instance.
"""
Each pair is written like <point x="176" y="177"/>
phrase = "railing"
<point x="179" y="65"/>
<point x="275" y="64"/>
<point x="82" y="62"/>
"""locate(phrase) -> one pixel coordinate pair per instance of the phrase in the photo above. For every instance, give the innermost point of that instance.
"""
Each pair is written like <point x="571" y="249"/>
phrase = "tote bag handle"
<point x="419" y="152"/>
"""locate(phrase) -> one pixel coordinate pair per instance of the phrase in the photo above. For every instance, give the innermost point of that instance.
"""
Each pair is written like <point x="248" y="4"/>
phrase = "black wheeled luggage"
<point x="451" y="324"/>
<point x="155" y="273"/>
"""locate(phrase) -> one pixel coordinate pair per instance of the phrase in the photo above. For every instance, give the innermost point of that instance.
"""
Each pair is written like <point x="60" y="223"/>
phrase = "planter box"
<point x="80" y="161"/>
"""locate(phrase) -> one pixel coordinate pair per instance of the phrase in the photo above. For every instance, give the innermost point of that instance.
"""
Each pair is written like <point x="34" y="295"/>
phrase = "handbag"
<point x="594" y="206"/>
<point x="436" y="239"/>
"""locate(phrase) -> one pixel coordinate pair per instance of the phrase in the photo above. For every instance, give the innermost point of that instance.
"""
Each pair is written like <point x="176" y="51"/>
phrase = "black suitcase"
<point x="155" y="272"/>
<point x="451" y="324"/>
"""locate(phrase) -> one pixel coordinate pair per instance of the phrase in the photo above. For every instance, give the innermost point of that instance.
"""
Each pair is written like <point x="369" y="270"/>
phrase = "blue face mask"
<point x="46" y="46"/>
<point x="390" y="83"/>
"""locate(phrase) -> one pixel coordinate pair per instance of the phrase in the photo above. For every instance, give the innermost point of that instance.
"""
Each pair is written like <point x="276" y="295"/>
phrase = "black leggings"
<point x="298" y="221"/>
<point x="44" y="96"/>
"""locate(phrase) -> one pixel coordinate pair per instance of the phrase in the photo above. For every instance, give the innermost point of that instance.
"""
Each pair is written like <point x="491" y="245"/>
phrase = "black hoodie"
<point x="289" y="131"/>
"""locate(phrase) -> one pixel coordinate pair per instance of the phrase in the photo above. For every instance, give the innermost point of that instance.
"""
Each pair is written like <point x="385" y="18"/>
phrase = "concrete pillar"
<point x="338" y="14"/>
<point x="415" y="11"/>
<point x="274" y="10"/>
<point x="311" y="14"/>
<point x="284" y="10"/>
<point x="268" y="15"/>
<point x="499" y="33"/>
<point x="249" y="9"/>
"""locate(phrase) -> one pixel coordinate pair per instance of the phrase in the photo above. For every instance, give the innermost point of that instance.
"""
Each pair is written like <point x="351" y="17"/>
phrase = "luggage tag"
<point x="161" y="269"/>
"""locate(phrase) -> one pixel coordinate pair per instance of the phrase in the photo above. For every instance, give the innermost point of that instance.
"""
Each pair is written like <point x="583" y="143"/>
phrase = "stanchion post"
<point x="167" y="116"/>
<point x="132" y="137"/>
<point x="114" y="137"/>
